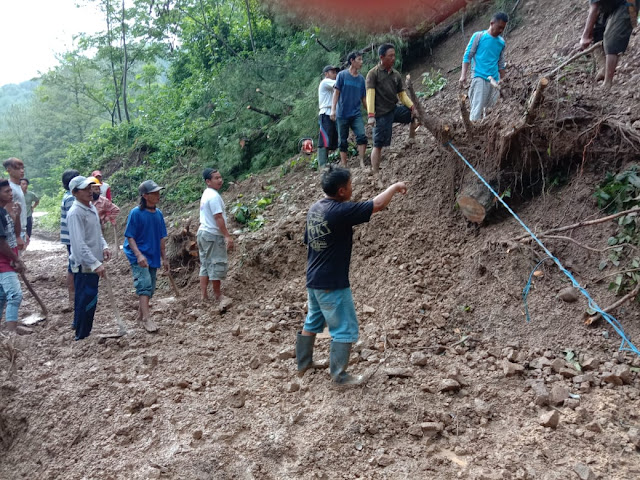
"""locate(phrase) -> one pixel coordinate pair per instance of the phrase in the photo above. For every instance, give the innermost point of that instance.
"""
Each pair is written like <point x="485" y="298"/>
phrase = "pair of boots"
<point x="338" y="359"/>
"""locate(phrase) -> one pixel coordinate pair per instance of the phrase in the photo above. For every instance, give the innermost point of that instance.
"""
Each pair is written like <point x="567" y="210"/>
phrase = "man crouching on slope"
<point x="329" y="237"/>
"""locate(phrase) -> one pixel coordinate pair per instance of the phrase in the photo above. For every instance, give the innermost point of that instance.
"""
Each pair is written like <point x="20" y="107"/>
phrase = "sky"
<point x="32" y="32"/>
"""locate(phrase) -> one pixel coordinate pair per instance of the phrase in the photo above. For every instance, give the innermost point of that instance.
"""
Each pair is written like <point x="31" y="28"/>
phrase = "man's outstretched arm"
<point x="381" y="201"/>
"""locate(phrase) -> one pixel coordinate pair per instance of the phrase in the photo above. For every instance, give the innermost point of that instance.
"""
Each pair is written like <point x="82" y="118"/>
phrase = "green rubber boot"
<point x="338" y="363"/>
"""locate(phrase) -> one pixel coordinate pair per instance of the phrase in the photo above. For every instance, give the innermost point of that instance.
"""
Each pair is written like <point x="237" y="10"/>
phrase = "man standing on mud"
<point x="349" y="94"/>
<point x="384" y="89"/>
<point x="329" y="237"/>
<point x="88" y="251"/>
<point x="10" y="263"/>
<point x="328" y="137"/>
<point x="65" y="206"/>
<point x="485" y="54"/>
<point x="213" y="238"/>
<point x="15" y="169"/>
<point x="146" y="233"/>
<point x="611" y="21"/>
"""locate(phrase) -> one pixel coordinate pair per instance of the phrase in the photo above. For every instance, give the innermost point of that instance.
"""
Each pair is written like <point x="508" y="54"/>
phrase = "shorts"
<point x="328" y="136"/>
<point x="615" y="31"/>
<point x="334" y="308"/>
<point x="144" y="280"/>
<point x="383" y="129"/>
<point x="212" y="250"/>
<point x="357" y="125"/>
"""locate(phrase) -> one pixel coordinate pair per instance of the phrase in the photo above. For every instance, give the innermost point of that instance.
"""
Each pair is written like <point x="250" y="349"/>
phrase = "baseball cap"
<point x="80" y="183"/>
<point x="95" y="180"/>
<point x="96" y="173"/>
<point x="328" y="68"/>
<point x="207" y="172"/>
<point x="149" y="186"/>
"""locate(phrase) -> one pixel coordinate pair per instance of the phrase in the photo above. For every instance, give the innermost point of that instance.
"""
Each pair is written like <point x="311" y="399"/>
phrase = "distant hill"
<point x="16" y="94"/>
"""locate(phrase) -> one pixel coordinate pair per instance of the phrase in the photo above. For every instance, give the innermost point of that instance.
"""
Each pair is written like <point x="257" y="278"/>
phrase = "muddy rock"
<point x="482" y="408"/>
<point x="448" y="385"/>
<point x="197" y="434"/>
<point x="541" y="394"/>
<point x="235" y="330"/>
<point x="431" y="429"/>
<point x="558" y="395"/>
<point x="384" y="460"/>
<point x="415" y="431"/>
<point x="569" y="295"/>
<point x="540" y="363"/>
<point x="550" y="419"/>
<point x="149" y="398"/>
<point x="558" y="364"/>
<point x="292" y="387"/>
<point x="419" y="358"/>
<point x="584" y="472"/>
<point x="286" y="353"/>
<point x="259" y="360"/>
<point x="511" y="369"/>
<point x="237" y="399"/>
<point x="593" y="427"/>
<point x="612" y="378"/>
<point x="590" y="364"/>
<point x="633" y="435"/>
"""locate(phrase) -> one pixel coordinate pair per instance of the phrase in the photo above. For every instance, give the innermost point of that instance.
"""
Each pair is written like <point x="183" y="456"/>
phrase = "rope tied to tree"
<point x="626" y="344"/>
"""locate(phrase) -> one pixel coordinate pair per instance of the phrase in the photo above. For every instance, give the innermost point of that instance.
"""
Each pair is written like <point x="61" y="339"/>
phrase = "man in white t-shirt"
<point x="328" y="137"/>
<point x="213" y="238"/>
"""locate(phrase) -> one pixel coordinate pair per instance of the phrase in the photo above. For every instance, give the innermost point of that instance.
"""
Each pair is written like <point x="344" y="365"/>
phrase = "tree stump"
<point x="475" y="201"/>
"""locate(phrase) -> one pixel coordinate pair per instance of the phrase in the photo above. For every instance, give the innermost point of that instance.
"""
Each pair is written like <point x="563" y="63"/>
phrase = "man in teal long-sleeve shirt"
<point x="485" y="55"/>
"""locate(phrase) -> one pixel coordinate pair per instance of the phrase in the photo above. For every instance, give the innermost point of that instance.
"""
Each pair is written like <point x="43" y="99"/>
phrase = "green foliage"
<point x="618" y="193"/>
<point x="250" y="213"/>
<point x="51" y="205"/>
<point x="433" y="81"/>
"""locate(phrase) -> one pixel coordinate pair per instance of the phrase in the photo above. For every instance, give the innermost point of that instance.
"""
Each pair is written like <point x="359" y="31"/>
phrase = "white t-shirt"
<point x="18" y="196"/>
<point x="325" y="96"/>
<point x="103" y="189"/>
<point x="211" y="204"/>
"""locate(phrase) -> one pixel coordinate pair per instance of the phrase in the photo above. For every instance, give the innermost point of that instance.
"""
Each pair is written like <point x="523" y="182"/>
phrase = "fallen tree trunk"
<point x="441" y="131"/>
<point x="475" y="201"/>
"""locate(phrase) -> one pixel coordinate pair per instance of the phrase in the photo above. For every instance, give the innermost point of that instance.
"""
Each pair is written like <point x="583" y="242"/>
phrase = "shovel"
<point x="122" y="329"/>
<point x="176" y="292"/>
<point x="34" y="317"/>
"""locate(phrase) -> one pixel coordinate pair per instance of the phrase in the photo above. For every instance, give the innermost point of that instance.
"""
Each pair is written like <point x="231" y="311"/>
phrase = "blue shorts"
<point x="382" y="130"/>
<point x="357" y="125"/>
<point x="144" y="279"/>
<point x="334" y="308"/>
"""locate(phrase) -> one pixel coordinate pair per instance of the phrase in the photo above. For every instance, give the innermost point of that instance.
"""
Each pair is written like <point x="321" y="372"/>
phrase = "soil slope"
<point x="460" y="380"/>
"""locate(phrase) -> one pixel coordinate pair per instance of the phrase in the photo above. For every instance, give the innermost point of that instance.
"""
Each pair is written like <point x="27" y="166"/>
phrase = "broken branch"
<point x="555" y="71"/>
<point x="629" y="296"/>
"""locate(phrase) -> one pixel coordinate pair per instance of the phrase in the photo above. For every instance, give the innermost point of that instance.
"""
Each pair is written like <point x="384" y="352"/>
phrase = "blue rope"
<point x="626" y="344"/>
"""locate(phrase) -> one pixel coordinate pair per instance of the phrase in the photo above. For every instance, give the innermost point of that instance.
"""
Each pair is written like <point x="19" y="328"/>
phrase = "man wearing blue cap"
<point x="144" y="246"/>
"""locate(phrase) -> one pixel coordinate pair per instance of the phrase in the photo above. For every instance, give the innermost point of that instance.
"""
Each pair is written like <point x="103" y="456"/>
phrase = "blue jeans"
<point x="85" y="303"/>
<point x="10" y="294"/>
<point x="334" y="308"/>
<point x="144" y="279"/>
<point x="357" y="125"/>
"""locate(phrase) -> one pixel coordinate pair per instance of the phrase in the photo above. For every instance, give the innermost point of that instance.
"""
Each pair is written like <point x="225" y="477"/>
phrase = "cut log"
<point x="475" y="201"/>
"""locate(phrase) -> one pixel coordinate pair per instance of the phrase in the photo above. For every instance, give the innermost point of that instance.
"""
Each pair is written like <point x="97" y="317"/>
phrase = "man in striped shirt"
<point x="65" y="206"/>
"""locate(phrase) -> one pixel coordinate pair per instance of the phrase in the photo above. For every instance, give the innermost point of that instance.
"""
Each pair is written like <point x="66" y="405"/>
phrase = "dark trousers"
<point x="85" y="304"/>
<point x="29" y="225"/>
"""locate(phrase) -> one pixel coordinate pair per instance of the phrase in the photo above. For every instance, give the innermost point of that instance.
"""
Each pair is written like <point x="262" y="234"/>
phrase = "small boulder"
<point x="449" y="385"/>
<point x="558" y="395"/>
<point x="384" y="460"/>
<point x="286" y="353"/>
<point x="431" y="429"/>
<point x="550" y="419"/>
<point x="419" y="358"/>
<point x="541" y="393"/>
<point x="590" y="364"/>
<point x="511" y="369"/>
<point x="584" y="472"/>
<point x="569" y="295"/>
<point x="634" y="436"/>
<point x="415" y="431"/>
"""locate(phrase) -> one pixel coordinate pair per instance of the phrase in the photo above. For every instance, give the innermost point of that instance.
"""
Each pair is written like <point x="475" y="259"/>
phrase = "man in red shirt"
<point x="10" y="263"/>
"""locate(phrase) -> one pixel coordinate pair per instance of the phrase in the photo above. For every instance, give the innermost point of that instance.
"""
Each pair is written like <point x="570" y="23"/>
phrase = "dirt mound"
<point x="462" y="386"/>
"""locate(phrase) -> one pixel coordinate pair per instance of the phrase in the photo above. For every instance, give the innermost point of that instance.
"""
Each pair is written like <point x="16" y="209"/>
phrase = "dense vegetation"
<point x="166" y="88"/>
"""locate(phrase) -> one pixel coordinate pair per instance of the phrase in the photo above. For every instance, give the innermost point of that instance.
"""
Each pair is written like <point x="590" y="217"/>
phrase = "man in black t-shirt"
<point x="329" y="237"/>
<point x="611" y="21"/>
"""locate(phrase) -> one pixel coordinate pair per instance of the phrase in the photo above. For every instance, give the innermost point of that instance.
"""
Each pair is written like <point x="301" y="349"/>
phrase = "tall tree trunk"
<point x="116" y="89"/>
<point x="125" y="66"/>
<point x="253" y="43"/>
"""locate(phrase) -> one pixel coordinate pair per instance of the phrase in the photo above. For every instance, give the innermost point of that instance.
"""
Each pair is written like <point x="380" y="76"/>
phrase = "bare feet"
<point x="149" y="325"/>
<point x="224" y="302"/>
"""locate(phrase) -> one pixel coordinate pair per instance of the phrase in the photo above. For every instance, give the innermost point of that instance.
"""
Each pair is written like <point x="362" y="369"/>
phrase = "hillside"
<point x="460" y="378"/>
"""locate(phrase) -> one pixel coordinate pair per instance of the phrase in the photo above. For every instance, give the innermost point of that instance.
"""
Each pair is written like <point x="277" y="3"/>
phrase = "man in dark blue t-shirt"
<point x="349" y="93"/>
<point x="329" y="237"/>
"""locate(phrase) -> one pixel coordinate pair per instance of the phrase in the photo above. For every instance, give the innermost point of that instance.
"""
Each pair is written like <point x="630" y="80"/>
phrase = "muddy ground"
<point x="462" y="385"/>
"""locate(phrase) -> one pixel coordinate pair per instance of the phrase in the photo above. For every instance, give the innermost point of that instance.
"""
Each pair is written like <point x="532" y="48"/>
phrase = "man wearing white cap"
<point x="88" y="250"/>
